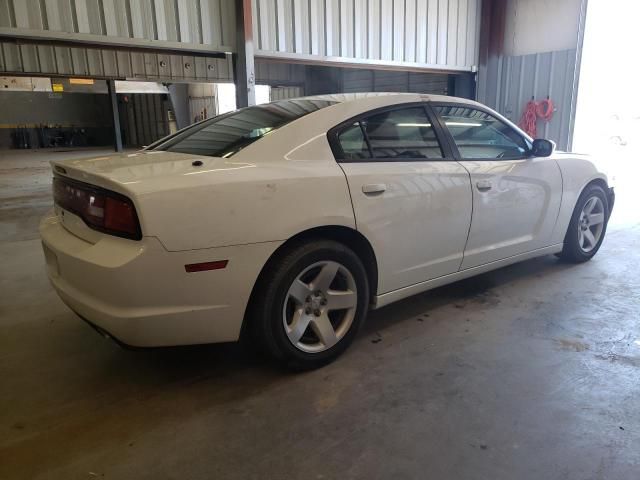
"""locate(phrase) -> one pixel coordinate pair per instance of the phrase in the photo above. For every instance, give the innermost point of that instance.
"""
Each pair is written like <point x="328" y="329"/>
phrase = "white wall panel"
<point x="436" y="34"/>
<point x="523" y="17"/>
<point x="410" y="34"/>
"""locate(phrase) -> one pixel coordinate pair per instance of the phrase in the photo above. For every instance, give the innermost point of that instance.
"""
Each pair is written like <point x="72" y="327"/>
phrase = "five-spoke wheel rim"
<point x="320" y="306"/>
<point x="591" y="224"/>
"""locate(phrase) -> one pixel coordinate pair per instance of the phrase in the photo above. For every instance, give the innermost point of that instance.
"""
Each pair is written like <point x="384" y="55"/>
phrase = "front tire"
<point x="587" y="227"/>
<point x="310" y="304"/>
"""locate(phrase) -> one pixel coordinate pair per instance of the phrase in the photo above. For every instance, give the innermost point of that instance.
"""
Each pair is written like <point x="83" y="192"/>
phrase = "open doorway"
<point x="607" y="122"/>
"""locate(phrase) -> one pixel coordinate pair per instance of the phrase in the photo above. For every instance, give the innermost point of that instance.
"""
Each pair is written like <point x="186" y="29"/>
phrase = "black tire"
<point x="572" y="252"/>
<point x="270" y="298"/>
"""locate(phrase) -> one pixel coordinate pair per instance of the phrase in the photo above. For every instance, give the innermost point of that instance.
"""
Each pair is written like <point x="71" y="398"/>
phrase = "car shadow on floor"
<point x="140" y="391"/>
<point x="481" y="290"/>
<point x="209" y="361"/>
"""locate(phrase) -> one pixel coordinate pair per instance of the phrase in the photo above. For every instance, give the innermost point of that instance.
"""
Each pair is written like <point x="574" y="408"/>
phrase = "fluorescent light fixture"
<point x="463" y="124"/>
<point x="131" y="86"/>
<point x="413" y="124"/>
<point x="81" y="81"/>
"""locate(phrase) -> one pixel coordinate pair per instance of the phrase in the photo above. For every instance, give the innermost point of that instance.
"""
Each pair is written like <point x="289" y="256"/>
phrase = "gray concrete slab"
<point x="529" y="372"/>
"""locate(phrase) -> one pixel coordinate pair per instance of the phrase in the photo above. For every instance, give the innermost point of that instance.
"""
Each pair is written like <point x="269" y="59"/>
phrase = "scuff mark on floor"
<point x="572" y="345"/>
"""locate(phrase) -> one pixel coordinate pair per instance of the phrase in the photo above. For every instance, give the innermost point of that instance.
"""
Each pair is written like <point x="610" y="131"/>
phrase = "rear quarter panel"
<point x="255" y="199"/>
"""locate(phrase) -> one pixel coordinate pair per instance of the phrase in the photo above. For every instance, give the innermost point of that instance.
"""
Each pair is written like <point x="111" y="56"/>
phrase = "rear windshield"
<point x="227" y="134"/>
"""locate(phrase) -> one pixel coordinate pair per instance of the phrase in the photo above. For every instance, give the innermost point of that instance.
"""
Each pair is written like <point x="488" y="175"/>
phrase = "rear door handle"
<point x="373" y="188"/>
<point x="483" y="185"/>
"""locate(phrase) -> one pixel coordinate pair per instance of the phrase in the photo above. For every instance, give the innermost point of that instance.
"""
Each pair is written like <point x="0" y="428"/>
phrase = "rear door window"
<point x="399" y="134"/>
<point x="353" y="143"/>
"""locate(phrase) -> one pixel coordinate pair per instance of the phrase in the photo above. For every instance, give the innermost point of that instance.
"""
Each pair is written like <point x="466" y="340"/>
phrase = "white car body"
<point x="430" y="226"/>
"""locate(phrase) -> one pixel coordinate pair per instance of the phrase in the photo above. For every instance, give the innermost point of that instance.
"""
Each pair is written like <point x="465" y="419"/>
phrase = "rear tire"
<point x="587" y="227"/>
<point x="310" y="303"/>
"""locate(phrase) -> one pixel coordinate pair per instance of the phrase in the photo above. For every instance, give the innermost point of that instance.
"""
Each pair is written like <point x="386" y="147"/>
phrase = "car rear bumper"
<point x="140" y="294"/>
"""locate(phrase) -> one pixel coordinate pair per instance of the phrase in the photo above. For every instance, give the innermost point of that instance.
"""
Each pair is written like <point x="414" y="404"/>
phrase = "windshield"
<point x="227" y="134"/>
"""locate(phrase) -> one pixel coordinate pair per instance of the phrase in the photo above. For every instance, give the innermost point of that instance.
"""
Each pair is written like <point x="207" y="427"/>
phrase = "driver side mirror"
<point x="542" y="148"/>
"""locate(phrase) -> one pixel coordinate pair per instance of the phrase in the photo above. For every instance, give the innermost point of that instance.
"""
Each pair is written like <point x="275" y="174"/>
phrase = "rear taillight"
<point x="100" y="209"/>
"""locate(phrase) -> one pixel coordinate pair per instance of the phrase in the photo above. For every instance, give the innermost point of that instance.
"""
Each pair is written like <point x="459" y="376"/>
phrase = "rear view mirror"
<point x="542" y="147"/>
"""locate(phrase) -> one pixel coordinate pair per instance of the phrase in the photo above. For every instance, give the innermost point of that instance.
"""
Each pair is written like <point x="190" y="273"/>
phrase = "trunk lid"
<point x="138" y="172"/>
<point x="133" y="175"/>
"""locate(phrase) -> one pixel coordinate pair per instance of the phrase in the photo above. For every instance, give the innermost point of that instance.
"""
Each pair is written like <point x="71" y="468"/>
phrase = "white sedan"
<point x="288" y="221"/>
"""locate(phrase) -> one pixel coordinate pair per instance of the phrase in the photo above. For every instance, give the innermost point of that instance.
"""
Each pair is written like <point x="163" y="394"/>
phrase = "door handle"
<point x="373" y="188"/>
<point x="483" y="185"/>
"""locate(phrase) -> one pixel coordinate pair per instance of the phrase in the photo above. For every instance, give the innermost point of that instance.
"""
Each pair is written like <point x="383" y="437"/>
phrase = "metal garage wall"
<point x="201" y="108"/>
<point x="509" y="82"/>
<point x="143" y="118"/>
<point x="106" y="63"/>
<point x="279" y="73"/>
<point x="357" y="80"/>
<point x="282" y="93"/>
<point x="516" y="64"/>
<point x="207" y="25"/>
<point x="202" y="101"/>
<point x="438" y="34"/>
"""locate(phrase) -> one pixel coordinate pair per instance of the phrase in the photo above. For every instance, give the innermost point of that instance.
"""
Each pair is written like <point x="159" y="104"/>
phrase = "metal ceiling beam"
<point x="305" y="59"/>
<point x="37" y="37"/>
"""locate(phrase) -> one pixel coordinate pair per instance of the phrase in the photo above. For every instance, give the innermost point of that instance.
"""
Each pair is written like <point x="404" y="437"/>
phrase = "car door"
<point x="516" y="197"/>
<point x="410" y="198"/>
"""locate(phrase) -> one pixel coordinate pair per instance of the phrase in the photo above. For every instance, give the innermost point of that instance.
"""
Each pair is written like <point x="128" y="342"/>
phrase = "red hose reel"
<point x="532" y="111"/>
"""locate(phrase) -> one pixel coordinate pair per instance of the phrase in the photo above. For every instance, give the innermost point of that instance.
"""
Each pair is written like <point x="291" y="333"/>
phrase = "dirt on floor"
<point x="527" y="372"/>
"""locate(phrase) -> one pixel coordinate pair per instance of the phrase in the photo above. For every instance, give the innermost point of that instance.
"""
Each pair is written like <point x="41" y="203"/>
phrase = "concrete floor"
<point x="529" y="372"/>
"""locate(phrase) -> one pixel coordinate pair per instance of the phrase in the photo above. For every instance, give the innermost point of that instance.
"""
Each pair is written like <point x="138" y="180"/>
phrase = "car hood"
<point x="563" y="153"/>
<point x="145" y="171"/>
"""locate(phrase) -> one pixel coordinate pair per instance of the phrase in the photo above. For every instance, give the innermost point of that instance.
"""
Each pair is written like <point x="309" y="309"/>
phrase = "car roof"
<point x="392" y="97"/>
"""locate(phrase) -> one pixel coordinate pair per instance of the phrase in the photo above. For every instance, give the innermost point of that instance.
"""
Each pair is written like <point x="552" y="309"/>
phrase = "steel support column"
<point x="115" y="115"/>
<point x="243" y="59"/>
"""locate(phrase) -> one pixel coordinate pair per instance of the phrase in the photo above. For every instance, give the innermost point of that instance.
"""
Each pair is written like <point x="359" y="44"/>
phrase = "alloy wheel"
<point x="320" y="306"/>
<point x="591" y="224"/>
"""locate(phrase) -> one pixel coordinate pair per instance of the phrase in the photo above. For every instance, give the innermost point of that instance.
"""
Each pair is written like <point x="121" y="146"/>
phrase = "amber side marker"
<point x="204" y="266"/>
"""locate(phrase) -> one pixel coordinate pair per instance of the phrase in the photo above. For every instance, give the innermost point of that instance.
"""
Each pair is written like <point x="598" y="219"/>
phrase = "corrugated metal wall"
<point x="358" y="80"/>
<point x="110" y="63"/>
<point x="282" y="93"/>
<point x="201" y="108"/>
<point x="143" y="118"/>
<point x="202" y="101"/>
<point x="207" y="25"/>
<point x="279" y="73"/>
<point x="427" y="33"/>
<point x="121" y="64"/>
<point x="509" y="82"/>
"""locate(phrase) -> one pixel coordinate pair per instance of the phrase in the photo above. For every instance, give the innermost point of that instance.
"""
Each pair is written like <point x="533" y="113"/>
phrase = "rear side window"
<point x="225" y="135"/>
<point x="404" y="133"/>
<point x="478" y="134"/>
